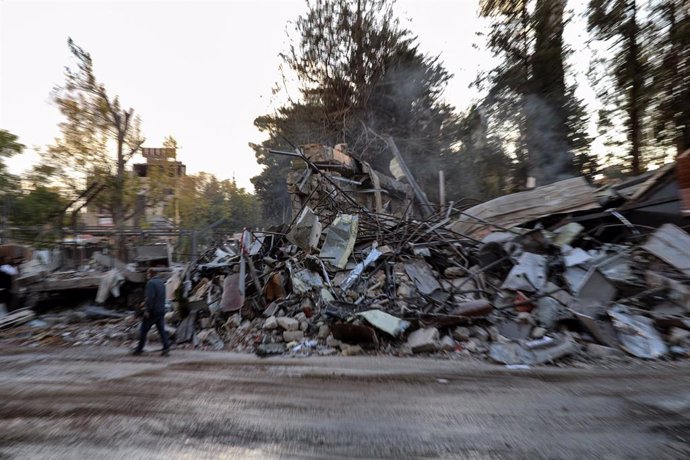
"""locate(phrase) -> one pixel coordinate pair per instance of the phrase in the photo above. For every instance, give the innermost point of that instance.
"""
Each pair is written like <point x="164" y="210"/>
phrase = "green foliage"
<point x="358" y="70"/>
<point x="9" y="146"/>
<point x="33" y="214"/>
<point x="532" y="113"/>
<point x="624" y="88"/>
<point x="97" y="138"/>
<point x="670" y="70"/>
<point x="203" y="199"/>
<point x="479" y="170"/>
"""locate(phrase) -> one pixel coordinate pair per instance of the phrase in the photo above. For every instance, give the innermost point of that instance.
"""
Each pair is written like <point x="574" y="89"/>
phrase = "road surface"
<point x="102" y="403"/>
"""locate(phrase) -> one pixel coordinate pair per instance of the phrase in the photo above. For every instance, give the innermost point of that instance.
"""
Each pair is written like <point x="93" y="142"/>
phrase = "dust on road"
<point x="101" y="403"/>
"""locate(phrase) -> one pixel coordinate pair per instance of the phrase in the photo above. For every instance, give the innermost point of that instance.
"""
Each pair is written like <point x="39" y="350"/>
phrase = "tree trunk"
<point x="118" y="204"/>
<point x="634" y="102"/>
<point x="547" y="139"/>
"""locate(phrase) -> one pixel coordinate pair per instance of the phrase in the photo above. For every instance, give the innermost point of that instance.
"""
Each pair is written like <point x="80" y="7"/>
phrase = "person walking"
<point x="154" y="312"/>
<point x="7" y="274"/>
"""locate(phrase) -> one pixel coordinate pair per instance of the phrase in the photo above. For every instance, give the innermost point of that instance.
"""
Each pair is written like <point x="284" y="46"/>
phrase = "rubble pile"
<point x="515" y="280"/>
<point x="367" y="265"/>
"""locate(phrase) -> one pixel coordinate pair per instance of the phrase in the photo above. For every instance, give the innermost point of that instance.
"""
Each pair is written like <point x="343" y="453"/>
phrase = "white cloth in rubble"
<point x="110" y="284"/>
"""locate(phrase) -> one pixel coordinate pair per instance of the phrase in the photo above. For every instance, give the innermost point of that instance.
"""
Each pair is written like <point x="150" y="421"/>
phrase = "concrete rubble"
<point x="520" y="280"/>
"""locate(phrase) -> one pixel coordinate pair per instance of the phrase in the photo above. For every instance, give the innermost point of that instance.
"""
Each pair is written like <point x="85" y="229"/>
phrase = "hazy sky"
<point x="200" y="71"/>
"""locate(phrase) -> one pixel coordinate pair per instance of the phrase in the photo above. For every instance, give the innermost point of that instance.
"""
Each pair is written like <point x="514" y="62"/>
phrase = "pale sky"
<point x="200" y="71"/>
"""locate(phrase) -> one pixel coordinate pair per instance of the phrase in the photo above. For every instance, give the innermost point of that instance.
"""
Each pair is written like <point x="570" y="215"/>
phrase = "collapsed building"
<point x="367" y="264"/>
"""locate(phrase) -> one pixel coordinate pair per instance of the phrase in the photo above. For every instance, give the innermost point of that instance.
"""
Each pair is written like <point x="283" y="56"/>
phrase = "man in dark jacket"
<point x="154" y="312"/>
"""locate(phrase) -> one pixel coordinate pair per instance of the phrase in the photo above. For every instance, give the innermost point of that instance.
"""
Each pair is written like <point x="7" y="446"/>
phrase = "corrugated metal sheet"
<point x="672" y="245"/>
<point x="518" y="208"/>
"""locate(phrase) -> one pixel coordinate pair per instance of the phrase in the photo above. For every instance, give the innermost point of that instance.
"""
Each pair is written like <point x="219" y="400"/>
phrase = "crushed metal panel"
<point x="306" y="231"/>
<point x="534" y="352"/>
<point x="185" y="330"/>
<point x="574" y="256"/>
<point x="519" y="208"/>
<point x="423" y="278"/>
<point x="574" y="276"/>
<point x="548" y="311"/>
<point x="514" y="330"/>
<point x="594" y="318"/>
<point x="616" y="267"/>
<point x="305" y="280"/>
<point x="387" y="323"/>
<point x="595" y="286"/>
<point x="637" y="334"/>
<point x="340" y="240"/>
<point x="672" y="245"/>
<point x="677" y="292"/>
<point x="529" y="274"/>
<point x="374" y="254"/>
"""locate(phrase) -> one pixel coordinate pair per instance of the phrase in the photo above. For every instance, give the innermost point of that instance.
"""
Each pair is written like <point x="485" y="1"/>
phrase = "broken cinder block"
<point x="424" y="340"/>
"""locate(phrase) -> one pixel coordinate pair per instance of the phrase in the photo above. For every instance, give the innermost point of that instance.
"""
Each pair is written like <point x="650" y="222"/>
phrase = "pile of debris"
<point x="517" y="279"/>
<point x="369" y="265"/>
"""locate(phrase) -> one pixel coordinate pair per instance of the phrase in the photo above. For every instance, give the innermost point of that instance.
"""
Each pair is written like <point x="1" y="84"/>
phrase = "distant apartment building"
<point x="161" y="170"/>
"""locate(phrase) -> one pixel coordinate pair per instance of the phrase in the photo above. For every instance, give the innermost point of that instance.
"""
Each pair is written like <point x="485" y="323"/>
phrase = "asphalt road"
<point x="101" y="403"/>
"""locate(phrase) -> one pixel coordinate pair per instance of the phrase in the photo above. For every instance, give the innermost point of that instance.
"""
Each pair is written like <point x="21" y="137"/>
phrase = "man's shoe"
<point x="137" y="353"/>
<point x="165" y="352"/>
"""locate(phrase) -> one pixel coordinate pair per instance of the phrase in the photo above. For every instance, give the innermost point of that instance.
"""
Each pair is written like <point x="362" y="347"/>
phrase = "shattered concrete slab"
<point x="672" y="245"/>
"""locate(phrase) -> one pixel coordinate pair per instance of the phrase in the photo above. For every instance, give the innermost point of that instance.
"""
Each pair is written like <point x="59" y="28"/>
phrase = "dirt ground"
<point x="101" y="403"/>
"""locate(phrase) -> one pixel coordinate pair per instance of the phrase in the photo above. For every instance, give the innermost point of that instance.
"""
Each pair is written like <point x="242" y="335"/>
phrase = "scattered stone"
<point x="351" y="350"/>
<point x="424" y="340"/>
<point x="525" y="317"/>
<point x="333" y="342"/>
<point x="268" y="349"/>
<point x="288" y="324"/>
<point x="595" y="350"/>
<point x="303" y="325"/>
<point x="293" y="336"/>
<point x="405" y="350"/>
<point x="209" y="337"/>
<point x="324" y="331"/>
<point x="454" y="272"/>
<point x="233" y="321"/>
<point x="270" y="323"/>
<point x="475" y="345"/>
<point x="461" y="333"/>
<point x="327" y="351"/>
<point x="481" y="333"/>
<point x="679" y="351"/>
<point x="678" y="336"/>
<point x="538" y="333"/>
<point x="171" y="317"/>
<point x="447" y="343"/>
<point x="271" y="309"/>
